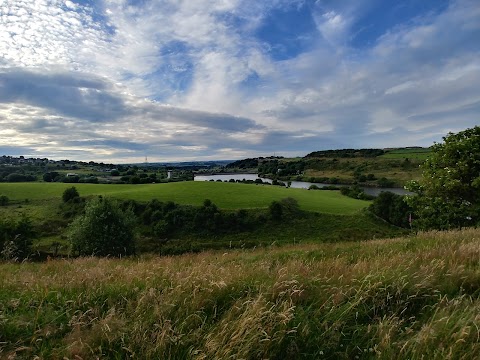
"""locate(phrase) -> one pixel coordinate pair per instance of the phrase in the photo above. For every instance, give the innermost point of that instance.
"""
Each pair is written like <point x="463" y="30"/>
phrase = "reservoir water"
<point x="296" y="184"/>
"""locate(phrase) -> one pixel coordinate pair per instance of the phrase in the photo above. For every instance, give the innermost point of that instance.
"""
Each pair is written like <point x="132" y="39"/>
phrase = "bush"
<point x="16" y="238"/>
<point x="104" y="230"/>
<point x="51" y="176"/>
<point x="288" y="206"/>
<point x="276" y="210"/>
<point x="4" y="200"/>
<point x="71" y="179"/>
<point x="355" y="192"/>
<point x="16" y="177"/>
<point x="89" y="180"/>
<point x="70" y="193"/>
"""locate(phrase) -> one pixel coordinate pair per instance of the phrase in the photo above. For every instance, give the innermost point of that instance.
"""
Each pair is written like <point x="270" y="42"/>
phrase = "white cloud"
<point x="192" y="76"/>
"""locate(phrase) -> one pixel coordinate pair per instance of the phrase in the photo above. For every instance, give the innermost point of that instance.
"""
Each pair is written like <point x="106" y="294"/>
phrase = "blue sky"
<point x="118" y="80"/>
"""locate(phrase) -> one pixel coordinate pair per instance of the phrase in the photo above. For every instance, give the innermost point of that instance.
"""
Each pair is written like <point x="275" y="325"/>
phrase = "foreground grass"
<point x="413" y="298"/>
<point x="224" y="195"/>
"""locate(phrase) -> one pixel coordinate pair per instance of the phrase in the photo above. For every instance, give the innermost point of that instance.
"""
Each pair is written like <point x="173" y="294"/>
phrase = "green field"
<point x="224" y="195"/>
<point x="412" y="154"/>
<point x="407" y="298"/>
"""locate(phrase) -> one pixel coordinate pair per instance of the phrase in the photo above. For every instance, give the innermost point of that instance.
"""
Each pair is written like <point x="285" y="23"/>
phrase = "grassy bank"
<point x="414" y="298"/>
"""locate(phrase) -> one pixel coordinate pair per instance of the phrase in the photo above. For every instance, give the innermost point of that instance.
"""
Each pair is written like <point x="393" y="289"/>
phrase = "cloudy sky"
<point x="118" y="80"/>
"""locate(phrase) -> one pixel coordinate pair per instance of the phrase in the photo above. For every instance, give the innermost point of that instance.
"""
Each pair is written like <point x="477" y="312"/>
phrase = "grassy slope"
<point x="412" y="154"/>
<point x="413" y="298"/>
<point x="310" y="228"/>
<point x="381" y="167"/>
<point x="224" y="195"/>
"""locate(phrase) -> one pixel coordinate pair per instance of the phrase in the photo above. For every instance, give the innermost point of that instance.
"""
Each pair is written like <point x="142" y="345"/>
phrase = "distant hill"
<point x="347" y="153"/>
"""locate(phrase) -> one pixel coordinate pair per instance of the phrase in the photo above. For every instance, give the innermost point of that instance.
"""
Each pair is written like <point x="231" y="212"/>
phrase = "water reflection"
<point x="296" y="184"/>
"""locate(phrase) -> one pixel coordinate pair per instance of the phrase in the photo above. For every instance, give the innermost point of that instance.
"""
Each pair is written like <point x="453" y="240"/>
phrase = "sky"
<point x="184" y="80"/>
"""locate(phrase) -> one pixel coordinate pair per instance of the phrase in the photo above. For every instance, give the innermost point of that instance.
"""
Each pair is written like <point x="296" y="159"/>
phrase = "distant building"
<point x="169" y="174"/>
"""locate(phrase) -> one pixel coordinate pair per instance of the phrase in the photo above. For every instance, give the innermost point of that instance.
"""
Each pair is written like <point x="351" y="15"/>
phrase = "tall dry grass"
<point x="415" y="297"/>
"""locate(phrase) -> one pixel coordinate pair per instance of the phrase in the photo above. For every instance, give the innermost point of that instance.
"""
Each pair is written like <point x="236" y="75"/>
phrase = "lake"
<point x="297" y="184"/>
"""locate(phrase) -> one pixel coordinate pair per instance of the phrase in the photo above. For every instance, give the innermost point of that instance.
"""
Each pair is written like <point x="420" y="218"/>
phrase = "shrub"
<point x="276" y="210"/>
<point x="355" y="192"/>
<point x="4" y="200"/>
<point x="71" y="179"/>
<point x="16" y="238"/>
<point x="103" y="230"/>
<point x="70" y="193"/>
<point x="287" y="206"/>
<point x="17" y="177"/>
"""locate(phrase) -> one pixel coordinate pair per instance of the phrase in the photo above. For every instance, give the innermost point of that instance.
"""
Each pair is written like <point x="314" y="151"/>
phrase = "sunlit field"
<point x="224" y="195"/>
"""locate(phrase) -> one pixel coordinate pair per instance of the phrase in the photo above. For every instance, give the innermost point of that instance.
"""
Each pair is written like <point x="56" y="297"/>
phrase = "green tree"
<point x="392" y="208"/>
<point x="70" y="193"/>
<point x="448" y="195"/>
<point x="103" y="230"/>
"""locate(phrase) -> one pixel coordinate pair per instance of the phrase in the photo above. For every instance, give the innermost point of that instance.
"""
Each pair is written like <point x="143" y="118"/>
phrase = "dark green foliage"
<point x="104" y="230"/>
<point x="384" y="182"/>
<point x="326" y="187"/>
<point x="347" y="153"/>
<point x="89" y="180"/>
<point x="4" y="200"/>
<point x="283" y="209"/>
<point x="16" y="238"/>
<point x="70" y="194"/>
<point x="135" y="180"/>
<point x="243" y="164"/>
<point x="274" y="167"/>
<point x="392" y="208"/>
<point x="71" y="179"/>
<point x="51" y="176"/>
<point x="72" y="207"/>
<point x="168" y="220"/>
<point x="278" y="183"/>
<point x="17" y="177"/>
<point x="276" y="210"/>
<point x="448" y="195"/>
<point x="355" y="192"/>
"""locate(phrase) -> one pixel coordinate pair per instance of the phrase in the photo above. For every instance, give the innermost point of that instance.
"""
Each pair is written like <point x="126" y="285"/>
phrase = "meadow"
<point x="225" y="195"/>
<point x="414" y="297"/>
